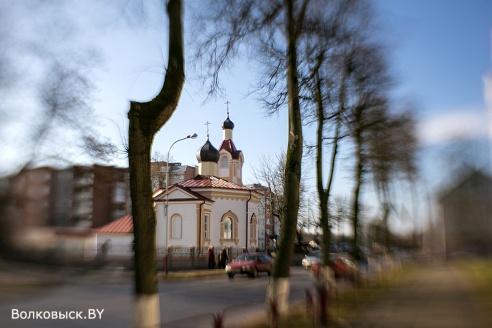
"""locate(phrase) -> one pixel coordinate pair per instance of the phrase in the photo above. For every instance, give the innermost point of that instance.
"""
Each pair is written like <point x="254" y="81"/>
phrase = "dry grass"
<point x="479" y="275"/>
<point x="343" y="305"/>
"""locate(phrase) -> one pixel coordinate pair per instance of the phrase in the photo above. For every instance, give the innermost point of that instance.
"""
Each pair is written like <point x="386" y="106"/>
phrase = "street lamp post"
<point x="166" y="207"/>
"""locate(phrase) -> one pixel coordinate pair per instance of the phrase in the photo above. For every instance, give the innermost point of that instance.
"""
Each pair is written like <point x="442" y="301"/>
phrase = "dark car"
<point x="251" y="264"/>
<point x="341" y="266"/>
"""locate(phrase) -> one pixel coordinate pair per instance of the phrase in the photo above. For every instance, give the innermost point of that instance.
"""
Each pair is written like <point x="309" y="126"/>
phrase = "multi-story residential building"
<point x="78" y="196"/>
<point x="32" y="195"/>
<point x="177" y="173"/>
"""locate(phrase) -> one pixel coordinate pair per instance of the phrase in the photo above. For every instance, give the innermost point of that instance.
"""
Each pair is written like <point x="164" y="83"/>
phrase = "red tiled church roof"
<point x="119" y="226"/>
<point x="209" y="181"/>
<point x="161" y="194"/>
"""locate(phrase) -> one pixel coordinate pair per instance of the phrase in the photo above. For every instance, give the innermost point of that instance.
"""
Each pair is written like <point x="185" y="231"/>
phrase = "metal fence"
<point x="168" y="259"/>
<point x="105" y="254"/>
<point x="190" y="258"/>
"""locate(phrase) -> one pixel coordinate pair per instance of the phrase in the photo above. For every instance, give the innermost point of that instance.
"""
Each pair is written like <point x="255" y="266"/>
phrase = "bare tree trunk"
<point x="145" y="120"/>
<point x="323" y="202"/>
<point x="278" y="289"/>
<point x="386" y="212"/>
<point x="147" y="302"/>
<point x="356" y="202"/>
<point x="322" y="193"/>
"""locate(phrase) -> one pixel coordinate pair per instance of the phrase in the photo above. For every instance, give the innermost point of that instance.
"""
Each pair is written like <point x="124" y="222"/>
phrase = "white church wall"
<point x="160" y="229"/>
<point x="186" y="237"/>
<point x="222" y="204"/>
<point x="116" y="245"/>
<point x="253" y="209"/>
<point x="178" y="194"/>
<point x="221" y="207"/>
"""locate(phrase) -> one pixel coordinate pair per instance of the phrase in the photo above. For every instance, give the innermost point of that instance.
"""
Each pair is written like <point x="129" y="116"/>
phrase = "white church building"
<point x="212" y="209"/>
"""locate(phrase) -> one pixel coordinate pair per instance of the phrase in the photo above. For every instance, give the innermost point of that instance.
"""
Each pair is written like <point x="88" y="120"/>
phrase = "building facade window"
<point x="229" y="228"/>
<point x="227" y="232"/>
<point x="119" y="193"/>
<point x="176" y="226"/>
<point x="224" y="162"/>
<point x="252" y="230"/>
<point x="206" y="227"/>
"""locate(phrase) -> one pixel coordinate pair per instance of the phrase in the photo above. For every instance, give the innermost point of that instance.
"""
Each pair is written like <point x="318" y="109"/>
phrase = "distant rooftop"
<point x="123" y="225"/>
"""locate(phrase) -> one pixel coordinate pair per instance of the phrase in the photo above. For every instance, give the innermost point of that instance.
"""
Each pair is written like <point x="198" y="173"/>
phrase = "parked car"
<point x="341" y="266"/>
<point x="251" y="264"/>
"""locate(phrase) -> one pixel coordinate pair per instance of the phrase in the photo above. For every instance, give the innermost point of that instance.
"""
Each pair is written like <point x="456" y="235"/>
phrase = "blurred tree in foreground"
<point x="51" y="84"/>
<point x="146" y="119"/>
<point x="392" y="151"/>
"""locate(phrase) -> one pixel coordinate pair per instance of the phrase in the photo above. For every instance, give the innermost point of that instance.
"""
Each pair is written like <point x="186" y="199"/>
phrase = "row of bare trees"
<point x="320" y="61"/>
<point x="344" y="90"/>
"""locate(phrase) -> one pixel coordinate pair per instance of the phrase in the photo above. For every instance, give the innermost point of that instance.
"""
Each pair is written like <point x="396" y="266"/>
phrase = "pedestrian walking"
<point x="223" y="258"/>
<point x="211" y="258"/>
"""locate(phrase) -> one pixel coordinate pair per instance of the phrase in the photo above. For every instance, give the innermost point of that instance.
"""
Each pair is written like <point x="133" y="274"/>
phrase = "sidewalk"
<point x="438" y="295"/>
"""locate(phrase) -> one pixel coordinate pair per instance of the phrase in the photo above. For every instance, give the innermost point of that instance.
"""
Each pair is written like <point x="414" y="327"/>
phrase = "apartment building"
<point x="77" y="196"/>
<point x="177" y="173"/>
<point x="32" y="196"/>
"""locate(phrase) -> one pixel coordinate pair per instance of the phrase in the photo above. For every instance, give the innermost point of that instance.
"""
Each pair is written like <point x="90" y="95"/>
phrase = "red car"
<point x="341" y="266"/>
<point x="251" y="264"/>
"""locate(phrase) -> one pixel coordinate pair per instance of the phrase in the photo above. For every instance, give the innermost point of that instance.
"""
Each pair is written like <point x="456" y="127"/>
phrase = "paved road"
<point x="438" y="296"/>
<point x="184" y="303"/>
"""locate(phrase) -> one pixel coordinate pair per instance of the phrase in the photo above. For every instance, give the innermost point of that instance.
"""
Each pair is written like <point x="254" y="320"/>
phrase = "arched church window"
<point x="228" y="228"/>
<point x="229" y="224"/>
<point x="176" y="226"/>
<point x="206" y="227"/>
<point x="252" y="231"/>
<point x="224" y="162"/>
